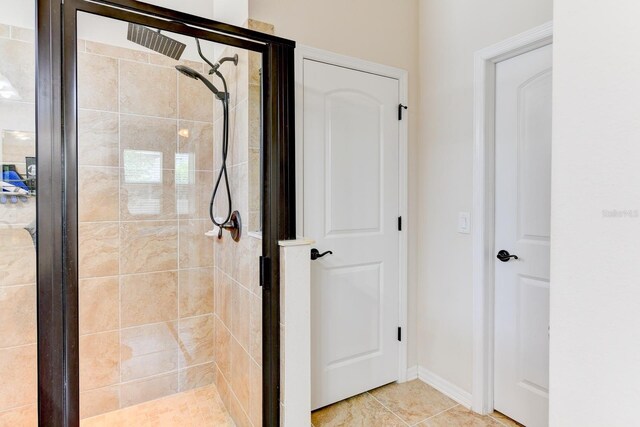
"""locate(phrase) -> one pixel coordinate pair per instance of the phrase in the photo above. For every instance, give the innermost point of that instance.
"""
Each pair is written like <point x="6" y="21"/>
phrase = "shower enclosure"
<point x="139" y="296"/>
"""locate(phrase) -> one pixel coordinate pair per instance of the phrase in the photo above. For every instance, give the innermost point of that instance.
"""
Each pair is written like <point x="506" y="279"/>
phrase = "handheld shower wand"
<point x="232" y="222"/>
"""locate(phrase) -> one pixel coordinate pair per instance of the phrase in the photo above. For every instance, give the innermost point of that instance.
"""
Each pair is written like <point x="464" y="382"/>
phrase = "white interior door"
<point x="351" y="206"/>
<point x="522" y="224"/>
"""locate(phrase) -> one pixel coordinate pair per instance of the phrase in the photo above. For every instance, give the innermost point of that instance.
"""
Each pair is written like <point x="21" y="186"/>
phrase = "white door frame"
<point x="305" y="52"/>
<point x="485" y="61"/>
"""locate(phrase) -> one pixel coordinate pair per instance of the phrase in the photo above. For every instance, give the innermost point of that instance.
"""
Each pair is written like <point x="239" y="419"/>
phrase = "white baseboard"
<point x="412" y="373"/>
<point x="445" y="387"/>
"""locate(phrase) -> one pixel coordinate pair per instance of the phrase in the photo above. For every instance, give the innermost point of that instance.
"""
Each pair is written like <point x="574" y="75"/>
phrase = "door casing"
<point x="308" y="53"/>
<point x="483" y="217"/>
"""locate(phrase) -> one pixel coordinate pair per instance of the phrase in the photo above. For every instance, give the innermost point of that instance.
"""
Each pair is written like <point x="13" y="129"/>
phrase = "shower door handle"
<point x="315" y="254"/>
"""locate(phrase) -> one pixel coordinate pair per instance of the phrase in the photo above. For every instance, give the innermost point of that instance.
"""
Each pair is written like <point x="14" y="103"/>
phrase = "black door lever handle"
<point x="315" y="254"/>
<point x="505" y="256"/>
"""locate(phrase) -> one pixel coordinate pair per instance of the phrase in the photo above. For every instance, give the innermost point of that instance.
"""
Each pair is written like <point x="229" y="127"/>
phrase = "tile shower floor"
<point x="194" y="408"/>
<point x="409" y="404"/>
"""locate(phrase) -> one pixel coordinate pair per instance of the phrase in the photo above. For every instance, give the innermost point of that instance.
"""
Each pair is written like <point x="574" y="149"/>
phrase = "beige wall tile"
<point x="263" y="27"/>
<point x="194" y="197"/>
<point x="240" y="365"/>
<point x="148" y="246"/>
<point x="223" y="389"/>
<point x="240" y="260"/>
<point x="25" y="416"/>
<point x="255" y="394"/>
<point x="196" y="291"/>
<point x="148" y="89"/>
<point x="148" y="389"/>
<point x="21" y="69"/>
<point x="99" y="401"/>
<point x="99" y="305"/>
<point x="153" y="134"/>
<point x="116" y="52"/>
<point x="97" y="82"/>
<point x="98" y="250"/>
<point x="97" y="194"/>
<point x="18" y="265"/>
<point x="99" y="360"/>
<point x="98" y="138"/>
<point x="238" y="413"/>
<point x="16" y="145"/>
<point x="240" y="318"/>
<point x="18" y="370"/>
<point x="17" y="315"/>
<point x="149" y="298"/>
<point x="255" y="331"/>
<point x="165" y="61"/>
<point x="254" y="116"/>
<point x="196" y="139"/>
<point x="149" y="350"/>
<point x="224" y="298"/>
<point x="196" y="249"/>
<point x="195" y="100"/>
<point x="197" y="376"/>
<point x="144" y="201"/>
<point x="196" y="340"/>
<point x="239" y="137"/>
<point x="222" y="349"/>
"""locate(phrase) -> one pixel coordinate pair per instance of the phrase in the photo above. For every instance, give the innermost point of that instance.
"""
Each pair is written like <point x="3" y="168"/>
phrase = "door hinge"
<point x="400" y="108"/>
<point x="399" y="333"/>
<point x="265" y="272"/>
<point x="399" y="223"/>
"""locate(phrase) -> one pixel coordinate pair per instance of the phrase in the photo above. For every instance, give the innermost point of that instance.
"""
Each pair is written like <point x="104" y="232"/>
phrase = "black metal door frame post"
<point x="57" y="202"/>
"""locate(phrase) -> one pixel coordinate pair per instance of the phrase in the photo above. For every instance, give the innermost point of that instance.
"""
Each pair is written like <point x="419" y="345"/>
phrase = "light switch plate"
<point x="464" y="222"/>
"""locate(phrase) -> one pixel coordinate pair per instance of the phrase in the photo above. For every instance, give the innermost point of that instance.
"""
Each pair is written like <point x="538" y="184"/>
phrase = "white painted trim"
<point x="450" y="390"/>
<point x="295" y="333"/>
<point x="412" y="373"/>
<point x="305" y="52"/>
<point x="485" y="61"/>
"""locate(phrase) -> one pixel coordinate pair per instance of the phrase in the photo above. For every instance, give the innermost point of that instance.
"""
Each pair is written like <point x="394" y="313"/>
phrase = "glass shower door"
<point x="18" y="355"/>
<point x="169" y="313"/>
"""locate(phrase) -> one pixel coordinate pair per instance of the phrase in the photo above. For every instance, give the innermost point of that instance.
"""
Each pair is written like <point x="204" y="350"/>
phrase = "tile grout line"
<point x="435" y="415"/>
<point x="385" y="407"/>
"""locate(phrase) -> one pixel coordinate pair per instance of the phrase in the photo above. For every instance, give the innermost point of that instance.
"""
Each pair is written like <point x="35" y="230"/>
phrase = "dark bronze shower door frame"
<point x="57" y="204"/>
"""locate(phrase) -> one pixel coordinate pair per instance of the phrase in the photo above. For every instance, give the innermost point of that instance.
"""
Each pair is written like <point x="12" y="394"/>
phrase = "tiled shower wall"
<point x="159" y="312"/>
<point x="146" y="268"/>
<point x="238" y="311"/>
<point x="18" y="364"/>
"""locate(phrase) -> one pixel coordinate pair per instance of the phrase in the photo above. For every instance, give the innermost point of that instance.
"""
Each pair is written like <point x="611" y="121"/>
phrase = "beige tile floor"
<point x="194" y="408"/>
<point x="409" y="404"/>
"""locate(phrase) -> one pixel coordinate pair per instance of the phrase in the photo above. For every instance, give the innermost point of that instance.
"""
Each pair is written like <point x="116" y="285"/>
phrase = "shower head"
<point x="217" y="65"/>
<point x="154" y="40"/>
<point x="190" y="72"/>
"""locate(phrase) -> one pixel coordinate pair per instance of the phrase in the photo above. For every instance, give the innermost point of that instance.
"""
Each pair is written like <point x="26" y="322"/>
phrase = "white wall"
<point x="450" y="32"/>
<point x="595" y="291"/>
<point x="381" y="31"/>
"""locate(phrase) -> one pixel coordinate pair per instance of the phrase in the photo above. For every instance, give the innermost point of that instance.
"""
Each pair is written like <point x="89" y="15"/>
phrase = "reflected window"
<point x="142" y="167"/>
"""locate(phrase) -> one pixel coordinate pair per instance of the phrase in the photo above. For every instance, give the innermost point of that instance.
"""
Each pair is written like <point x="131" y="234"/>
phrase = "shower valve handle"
<point x="315" y="254"/>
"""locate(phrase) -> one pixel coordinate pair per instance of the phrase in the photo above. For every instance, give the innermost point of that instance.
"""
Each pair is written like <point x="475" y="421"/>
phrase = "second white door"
<point x="351" y="205"/>
<point x="522" y="224"/>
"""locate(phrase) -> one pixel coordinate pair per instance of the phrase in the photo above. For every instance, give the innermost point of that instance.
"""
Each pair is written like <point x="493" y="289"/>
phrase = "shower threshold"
<point x="198" y="407"/>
